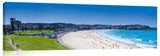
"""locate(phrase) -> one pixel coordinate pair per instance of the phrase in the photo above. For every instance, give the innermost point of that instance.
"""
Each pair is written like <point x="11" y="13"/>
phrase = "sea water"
<point x="141" y="38"/>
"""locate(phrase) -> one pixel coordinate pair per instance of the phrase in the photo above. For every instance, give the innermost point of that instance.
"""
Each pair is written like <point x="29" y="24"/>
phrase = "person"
<point x="13" y="42"/>
<point x="103" y="47"/>
<point x="17" y="46"/>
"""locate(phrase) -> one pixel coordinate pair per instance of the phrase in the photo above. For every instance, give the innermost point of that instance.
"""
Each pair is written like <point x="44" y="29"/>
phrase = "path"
<point x="10" y="41"/>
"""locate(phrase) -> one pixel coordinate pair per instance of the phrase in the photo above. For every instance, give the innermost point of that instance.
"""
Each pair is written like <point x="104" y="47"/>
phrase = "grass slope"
<point x="6" y="45"/>
<point x="34" y="32"/>
<point x="37" y="43"/>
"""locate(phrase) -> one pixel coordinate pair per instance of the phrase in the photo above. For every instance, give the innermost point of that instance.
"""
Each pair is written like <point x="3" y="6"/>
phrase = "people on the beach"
<point x="89" y="39"/>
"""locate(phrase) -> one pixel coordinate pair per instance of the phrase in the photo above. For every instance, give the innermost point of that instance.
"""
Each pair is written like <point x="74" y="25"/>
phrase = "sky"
<point x="80" y="13"/>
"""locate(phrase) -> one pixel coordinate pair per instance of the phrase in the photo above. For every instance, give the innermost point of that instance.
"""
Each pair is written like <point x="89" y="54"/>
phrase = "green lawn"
<point x="6" y="45"/>
<point x="48" y="31"/>
<point x="23" y="32"/>
<point x="37" y="43"/>
<point x="34" y="32"/>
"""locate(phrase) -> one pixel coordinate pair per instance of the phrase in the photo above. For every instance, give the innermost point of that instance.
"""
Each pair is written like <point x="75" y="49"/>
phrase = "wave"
<point x="134" y="41"/>
<point x="145" y="45"/>
<point x="116" y="38"/>
<point x="141" y="40"/>
<point x="138" y="39"/>
<point x="152" y="41"/>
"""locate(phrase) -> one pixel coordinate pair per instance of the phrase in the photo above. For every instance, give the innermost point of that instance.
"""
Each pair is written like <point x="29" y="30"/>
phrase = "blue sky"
<point x="75" y="13"/>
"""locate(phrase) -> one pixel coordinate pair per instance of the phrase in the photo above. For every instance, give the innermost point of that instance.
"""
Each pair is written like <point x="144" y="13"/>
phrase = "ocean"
<point x="141" y="38"/>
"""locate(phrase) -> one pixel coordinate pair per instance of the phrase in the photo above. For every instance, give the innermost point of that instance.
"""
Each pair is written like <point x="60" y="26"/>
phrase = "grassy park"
<point x="37" y="43"/>
<point x="32" y="42"/>
<point x="34" y="32"/>
<point x="6" y="45"/>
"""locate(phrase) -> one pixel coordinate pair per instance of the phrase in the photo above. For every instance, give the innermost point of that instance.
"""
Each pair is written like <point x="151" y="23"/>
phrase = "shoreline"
<point x="61" y="42"/>
<point x="90" y="39"/>
<point x="119" y="41"/>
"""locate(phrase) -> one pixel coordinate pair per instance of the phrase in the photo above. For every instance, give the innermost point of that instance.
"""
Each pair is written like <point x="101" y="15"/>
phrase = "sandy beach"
<point x="89" y="39"/>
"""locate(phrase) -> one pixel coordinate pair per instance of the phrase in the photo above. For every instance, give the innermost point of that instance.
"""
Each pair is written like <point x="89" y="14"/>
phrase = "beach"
<point x="90" y="39"/>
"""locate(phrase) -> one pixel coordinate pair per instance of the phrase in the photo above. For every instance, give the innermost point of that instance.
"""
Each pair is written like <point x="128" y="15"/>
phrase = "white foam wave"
<point x="145" y="45"/>
<point x="117" y="38"/>
<point x="152" y="41"/>
<point x="128" y="41"/>
<point x="138" y="40"/>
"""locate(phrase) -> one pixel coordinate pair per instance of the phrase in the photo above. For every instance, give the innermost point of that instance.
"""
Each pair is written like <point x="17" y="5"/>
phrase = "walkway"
<point x="13" y="45"/>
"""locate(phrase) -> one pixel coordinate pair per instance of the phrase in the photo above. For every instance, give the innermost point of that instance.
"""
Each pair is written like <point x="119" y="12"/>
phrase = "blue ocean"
<point x="141" y="38"/>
